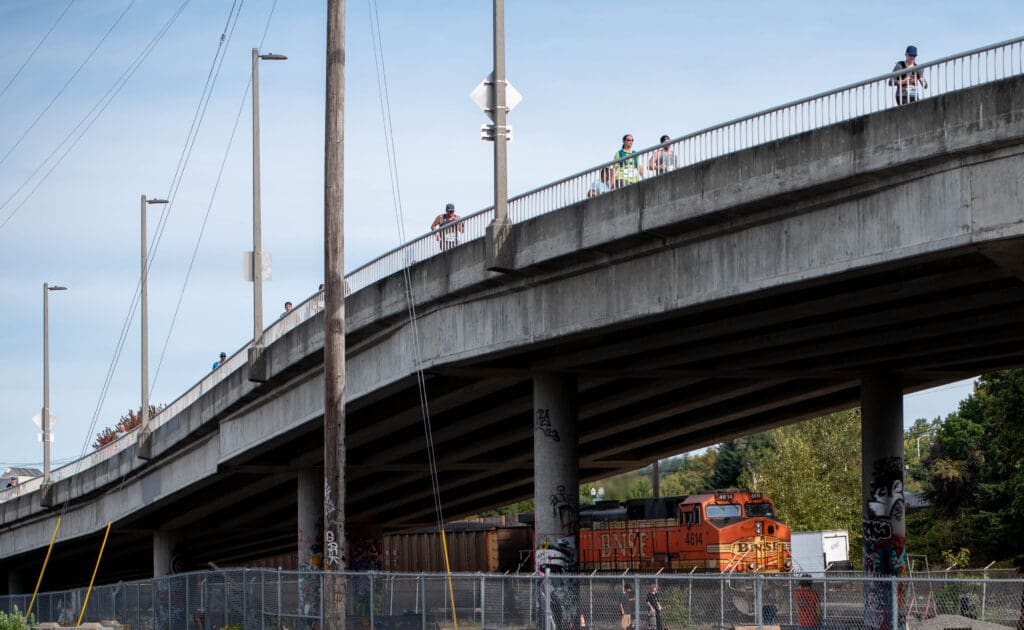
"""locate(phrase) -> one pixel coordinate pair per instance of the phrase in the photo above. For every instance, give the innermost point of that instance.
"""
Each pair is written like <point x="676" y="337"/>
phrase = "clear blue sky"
<point x="590" y="71"/>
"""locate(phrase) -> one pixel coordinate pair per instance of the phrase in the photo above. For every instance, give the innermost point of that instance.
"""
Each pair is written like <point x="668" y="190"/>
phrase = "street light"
<point x="257" y="237"/>
<point x="144" y="308"/>
<point x="46" y="379"/>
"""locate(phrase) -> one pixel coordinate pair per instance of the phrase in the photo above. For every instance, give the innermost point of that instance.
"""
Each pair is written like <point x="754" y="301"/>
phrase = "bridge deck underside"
<point x="647" y="390"/>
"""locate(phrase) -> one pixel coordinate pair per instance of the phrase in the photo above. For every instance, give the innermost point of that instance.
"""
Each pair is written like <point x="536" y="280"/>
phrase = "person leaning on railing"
<point x="448" y="237"/>
<point x="908" y="84"/>
<point x="662" y="159"/>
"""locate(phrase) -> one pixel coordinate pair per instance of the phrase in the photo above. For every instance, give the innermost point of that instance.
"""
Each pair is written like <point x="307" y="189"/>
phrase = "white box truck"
<point x="817" y="552"/>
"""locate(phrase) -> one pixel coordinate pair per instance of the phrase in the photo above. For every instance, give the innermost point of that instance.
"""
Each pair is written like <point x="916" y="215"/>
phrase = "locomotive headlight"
<point x="758" y="527"/>
<point x="751" y="565"/>
<point x="789" y="565"/>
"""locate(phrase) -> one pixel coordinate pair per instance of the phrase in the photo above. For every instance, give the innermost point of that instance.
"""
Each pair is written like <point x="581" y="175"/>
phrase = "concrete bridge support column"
<point x="883" y="503"/>
<point x="310" y="537"/>
<point x="310" y="501"/>
<point x="555" y="471"/>
<point x="164" y="543"/>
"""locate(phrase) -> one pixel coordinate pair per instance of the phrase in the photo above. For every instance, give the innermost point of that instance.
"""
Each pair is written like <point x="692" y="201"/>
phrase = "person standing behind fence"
<point x="808" y="605"/>
<point x="448" y="237"/>
<point x="907" y="85"/>
<point x="627" y="603"/>
<point x="628" y="170"/>
<point x="654" y="608"/>
<point x="663" y="159"/>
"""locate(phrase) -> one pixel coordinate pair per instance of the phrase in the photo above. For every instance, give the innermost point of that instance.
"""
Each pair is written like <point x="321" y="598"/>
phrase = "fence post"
<point x="590" y="617"/>
<point x="789" y="581"/>
<point x="636" y="603"/>
<point x="721" y="603"/>
<point x="758" y="602"/>
<point x="824" y="599"/>
<point x="423" y="598"/>
<point x="547" y="599"/>
<point x="279" y="598"/>
<point x="984" y="592"/>
<point x="483" y="600"/>
<point x="263" y="603"/>
<point x="188" y="600"/>
<point x="373" y="583"/>
<point x="894" y="622"/>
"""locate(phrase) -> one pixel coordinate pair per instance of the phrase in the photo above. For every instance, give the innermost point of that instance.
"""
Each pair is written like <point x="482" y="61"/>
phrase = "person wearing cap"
<point x="448" y="227"/>
<point x="908" y="84"/>
<point x="217" y="364"/>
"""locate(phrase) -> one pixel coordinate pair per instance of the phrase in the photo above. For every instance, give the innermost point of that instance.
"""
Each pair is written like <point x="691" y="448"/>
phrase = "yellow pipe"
<point x="448" y="570"/>
<point x="94" y="572"/>
<point x="43" y="570"/>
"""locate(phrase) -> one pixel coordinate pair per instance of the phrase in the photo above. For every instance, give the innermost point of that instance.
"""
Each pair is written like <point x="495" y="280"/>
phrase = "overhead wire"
<point x="421" y="384"/>
<point x="119" y="346"/>
<point x="68" y="82"/>
<point x="88" y="120"/>
<point x="36" y="49"/>
<point x="209" y="206"/>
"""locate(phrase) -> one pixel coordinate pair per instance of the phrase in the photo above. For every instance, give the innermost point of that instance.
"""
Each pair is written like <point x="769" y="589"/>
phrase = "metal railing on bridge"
<point x="956" y="72"/>
<point x="262" y="599"/>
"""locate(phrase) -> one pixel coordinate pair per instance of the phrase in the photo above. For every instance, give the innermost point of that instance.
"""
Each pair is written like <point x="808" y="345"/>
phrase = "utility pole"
<point x="335" y="543"/>
<point x="497" y="247"/>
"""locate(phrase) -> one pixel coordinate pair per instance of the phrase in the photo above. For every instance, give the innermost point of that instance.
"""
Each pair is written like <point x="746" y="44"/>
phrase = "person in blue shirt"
<point x="602" y="185"/>
<point x="217" y="364"/>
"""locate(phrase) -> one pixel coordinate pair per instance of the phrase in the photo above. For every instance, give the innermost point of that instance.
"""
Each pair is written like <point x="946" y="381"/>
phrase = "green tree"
<point x="813" y="474"/>
<point x="917" y="444"/>
<point x="692" y="476"/>
<point x="975" y="473"/>
<point x="734" y="457"/>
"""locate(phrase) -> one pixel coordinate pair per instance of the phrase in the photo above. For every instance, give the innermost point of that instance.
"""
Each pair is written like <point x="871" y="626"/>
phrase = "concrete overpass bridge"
<point x="832" y="252"/>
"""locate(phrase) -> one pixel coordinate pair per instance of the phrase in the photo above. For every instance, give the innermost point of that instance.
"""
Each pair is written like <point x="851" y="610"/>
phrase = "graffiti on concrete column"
<point x="882" y="527"/>
<point x="544" y="424"/>
<point x="556" y="554"/>
<point x="884" y="542"/>
<point x="565" y="511"/>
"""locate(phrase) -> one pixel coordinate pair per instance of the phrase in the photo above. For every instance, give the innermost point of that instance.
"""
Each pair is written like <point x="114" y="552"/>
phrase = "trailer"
<point x="815" y="553"/>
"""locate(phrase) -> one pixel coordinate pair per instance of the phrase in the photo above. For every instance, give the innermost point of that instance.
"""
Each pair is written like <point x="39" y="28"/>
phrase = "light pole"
<point x="144" y="308"/>
<point x="46" y="379"/>
<point x="257" y="228"/>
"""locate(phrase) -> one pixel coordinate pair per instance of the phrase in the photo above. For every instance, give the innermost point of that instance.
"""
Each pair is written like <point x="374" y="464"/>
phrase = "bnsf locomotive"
<point x="721" y="531"/>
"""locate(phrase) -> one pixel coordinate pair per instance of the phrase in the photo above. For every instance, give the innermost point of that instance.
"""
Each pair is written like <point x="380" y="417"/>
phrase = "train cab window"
<point x="759" y="509"/>
<point x="690" y="515"/>
<point x="723" y="510"/>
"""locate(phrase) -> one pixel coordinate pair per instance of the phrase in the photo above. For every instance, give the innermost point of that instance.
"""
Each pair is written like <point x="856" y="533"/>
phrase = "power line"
<point x="209" y="207"/>
<point x="38" y="46"/>
<point x="88" y="120"/>
<point x="74" y="74"/>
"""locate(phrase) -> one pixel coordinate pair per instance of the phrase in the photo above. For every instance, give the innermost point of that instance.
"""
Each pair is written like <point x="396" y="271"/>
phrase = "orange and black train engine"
<point x="720" y="531"/>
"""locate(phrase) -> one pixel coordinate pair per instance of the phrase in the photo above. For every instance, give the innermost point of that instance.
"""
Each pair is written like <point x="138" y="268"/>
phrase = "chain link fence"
<point x="256" y="599"/>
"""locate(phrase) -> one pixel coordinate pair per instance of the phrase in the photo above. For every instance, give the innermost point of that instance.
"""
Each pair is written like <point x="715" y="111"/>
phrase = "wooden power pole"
<point x="335" y="544"/>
